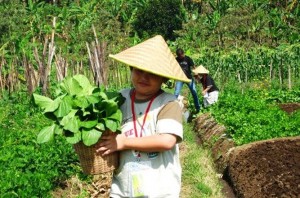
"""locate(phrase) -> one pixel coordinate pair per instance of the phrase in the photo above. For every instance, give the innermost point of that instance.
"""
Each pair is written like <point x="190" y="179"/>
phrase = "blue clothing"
<point x="192" y="87"/>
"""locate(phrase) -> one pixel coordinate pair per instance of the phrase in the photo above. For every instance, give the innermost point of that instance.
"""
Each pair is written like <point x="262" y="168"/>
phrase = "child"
<point x="210" y="91"/>
<point x="149" y="163"/>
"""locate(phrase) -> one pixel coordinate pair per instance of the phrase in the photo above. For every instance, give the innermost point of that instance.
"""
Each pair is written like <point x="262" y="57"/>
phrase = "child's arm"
<point x="169" y="126"/>
<point x="153" y="143"/>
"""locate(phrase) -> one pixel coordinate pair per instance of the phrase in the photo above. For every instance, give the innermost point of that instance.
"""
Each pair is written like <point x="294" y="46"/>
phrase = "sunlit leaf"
<point x="90" y="137"/>
<point x="47" y="134"/>
<point x="47" y="104"/>
<point x="65" y="107"/>
<point x="70" y="122"/>
<point x="100" y="126"/>
<point x="75" y="138"/>
<point x="87" y="88"/>
<point x="81" y="102"/>
<point x="88" y="124"/>
<point x="117" y="116"/>
<point x="71" y="86"/>
<point x="111" y="124"/>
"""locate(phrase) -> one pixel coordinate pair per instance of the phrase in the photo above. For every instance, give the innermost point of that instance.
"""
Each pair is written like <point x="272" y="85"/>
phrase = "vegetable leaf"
<point x="90" y="137"/>
<point x="117" y="116"/>
<point x="88" y="124"/>
<point x="65" y="107"/>
<point x="71" y="86"/>
<point x="81" y="102"/>
<point x="70" y="122"/>
<point x="47" y="133"/>
<point x="42" y="101"/>
<point x="46" y="103"/>
<point x="100" y="126"/>
<point x="110" y="107"/>
<point x="74" y="139"/>
<point x="111" y="124"/>
<point x="87" y="88"/>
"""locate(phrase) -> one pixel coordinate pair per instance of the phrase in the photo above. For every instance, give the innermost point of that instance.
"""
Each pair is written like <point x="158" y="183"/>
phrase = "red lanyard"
<point x="134" y="116"/>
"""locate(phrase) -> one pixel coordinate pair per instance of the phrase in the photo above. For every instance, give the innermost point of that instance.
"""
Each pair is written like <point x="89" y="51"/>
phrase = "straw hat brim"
<point x="153" y="56"/>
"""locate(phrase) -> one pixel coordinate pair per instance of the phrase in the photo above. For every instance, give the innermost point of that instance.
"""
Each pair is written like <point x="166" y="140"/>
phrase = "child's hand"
<point x="111" y="143"/>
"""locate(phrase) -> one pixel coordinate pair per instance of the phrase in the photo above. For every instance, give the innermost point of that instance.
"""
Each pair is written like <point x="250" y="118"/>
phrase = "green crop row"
<point x="29" y="169"/>
<point x="255" y="114"/>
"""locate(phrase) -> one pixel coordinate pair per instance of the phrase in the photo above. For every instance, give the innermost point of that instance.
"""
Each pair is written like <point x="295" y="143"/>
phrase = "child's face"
<point x="145" y="84"/>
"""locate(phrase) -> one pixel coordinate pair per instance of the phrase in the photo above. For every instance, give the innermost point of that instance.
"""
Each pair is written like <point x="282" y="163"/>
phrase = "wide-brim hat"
<point x="200" y="70"/>
<point x="154" y="56"/>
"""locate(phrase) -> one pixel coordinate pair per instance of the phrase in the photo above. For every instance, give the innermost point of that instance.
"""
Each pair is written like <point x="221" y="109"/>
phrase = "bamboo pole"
<point x="216" y="73"/>
<point x="1" y="78"/>
<point x="81" y="67"/>
<point x="271" y="70"/>
<point x="59" y="64"/>
<point x="10" y="81"/>
<point x="246" y="75"/>
<point x="51" y="51"/>
<point x="28" y="75"/>
<point x="40" y="64"/>
<point x="127" y="74"/>
<point x="239" y="77"/>
<point x="34" y="76"/>
<point x="280" y="73"/>
<point x="104" y="70"/>
<point x="92" y="65"/>
<point x="289" y="77"/>
<point x="100" y="59"/>
<point x="97" y="66"/>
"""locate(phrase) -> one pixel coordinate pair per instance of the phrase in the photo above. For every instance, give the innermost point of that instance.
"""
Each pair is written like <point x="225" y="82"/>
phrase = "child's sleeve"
<point x="169" y="120"/>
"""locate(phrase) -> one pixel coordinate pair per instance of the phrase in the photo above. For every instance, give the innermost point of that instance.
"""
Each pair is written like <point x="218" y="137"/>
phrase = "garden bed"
<point x="268" y="168"/>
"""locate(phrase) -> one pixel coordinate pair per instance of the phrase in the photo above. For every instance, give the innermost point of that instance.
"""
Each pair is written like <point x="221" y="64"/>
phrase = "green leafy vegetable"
<point x="80" y="112"/>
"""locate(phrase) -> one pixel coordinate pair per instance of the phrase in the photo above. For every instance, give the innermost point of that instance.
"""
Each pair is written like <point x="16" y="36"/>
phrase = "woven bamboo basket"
<point x="92" y="163"/>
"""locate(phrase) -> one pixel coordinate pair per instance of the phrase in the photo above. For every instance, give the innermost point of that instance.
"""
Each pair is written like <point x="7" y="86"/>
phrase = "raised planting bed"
<point x="268" y="168"/>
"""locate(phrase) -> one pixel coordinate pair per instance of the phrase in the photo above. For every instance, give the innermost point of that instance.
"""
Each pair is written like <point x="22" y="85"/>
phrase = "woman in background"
<point x="210" y="91"/>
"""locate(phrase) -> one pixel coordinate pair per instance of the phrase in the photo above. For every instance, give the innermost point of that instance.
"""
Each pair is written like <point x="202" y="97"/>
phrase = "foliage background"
<point x="251" y="48"/>
<point x="242" y="39"/>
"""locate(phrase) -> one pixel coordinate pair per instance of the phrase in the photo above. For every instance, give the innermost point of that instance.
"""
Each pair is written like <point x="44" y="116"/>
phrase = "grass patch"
<point x="199" y="178"/>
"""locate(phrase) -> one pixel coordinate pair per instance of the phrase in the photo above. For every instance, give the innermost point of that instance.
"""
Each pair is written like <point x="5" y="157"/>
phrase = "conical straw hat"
<point x="154" y="56"/>
<point x="200" y="70"/>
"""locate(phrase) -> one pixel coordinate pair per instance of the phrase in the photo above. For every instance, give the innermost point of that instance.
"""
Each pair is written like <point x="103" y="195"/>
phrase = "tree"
<point x="159" y="17"/>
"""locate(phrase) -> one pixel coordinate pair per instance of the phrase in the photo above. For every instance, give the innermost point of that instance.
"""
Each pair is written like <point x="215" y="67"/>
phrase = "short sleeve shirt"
<point x="186" y="63"/>
<point x="209" y="82"/>
<point x="154" y="174"/>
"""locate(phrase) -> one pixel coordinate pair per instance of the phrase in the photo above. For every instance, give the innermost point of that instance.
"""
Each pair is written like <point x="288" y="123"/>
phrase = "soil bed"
<point x="289" y="107"/>
<point x="267" y="168"/>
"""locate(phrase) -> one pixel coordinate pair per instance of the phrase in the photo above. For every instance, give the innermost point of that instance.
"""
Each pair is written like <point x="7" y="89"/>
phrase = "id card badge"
<point x="139" y="188"/>
<point x="141" y="180"/>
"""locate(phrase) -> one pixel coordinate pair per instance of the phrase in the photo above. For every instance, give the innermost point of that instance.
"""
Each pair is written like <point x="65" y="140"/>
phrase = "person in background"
<point x="149" y="164"/>
<point x="210" y="91"/>
<point x="186" y="64"/>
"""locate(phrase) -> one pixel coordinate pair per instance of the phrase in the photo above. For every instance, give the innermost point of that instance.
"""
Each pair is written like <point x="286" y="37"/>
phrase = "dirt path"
<point x="203" y="180"/>
<point x="199" y="177"/>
